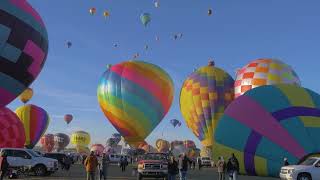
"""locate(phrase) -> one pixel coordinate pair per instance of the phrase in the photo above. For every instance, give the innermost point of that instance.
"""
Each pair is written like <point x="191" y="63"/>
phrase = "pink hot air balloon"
<point x="12" y="131"/>
<point x="189" y="144"/>
<point x="68" y="118"/>
<point x="97" y="148"/>
<point x="47" y="142"/>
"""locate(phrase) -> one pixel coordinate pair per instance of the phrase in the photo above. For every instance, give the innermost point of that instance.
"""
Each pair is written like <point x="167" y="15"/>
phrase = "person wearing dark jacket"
<point x="183" y="166"/>
<point x="4" y="165"/>
<point x="233" y="168"/>
<point x="172" y="168"/>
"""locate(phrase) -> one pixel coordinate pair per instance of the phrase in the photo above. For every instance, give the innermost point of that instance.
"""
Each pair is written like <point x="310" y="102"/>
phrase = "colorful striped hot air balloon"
<point x="135" y="96"/>
<point x="24" y="48"/>
<point x="204" y="96"/>
<point x="12" y="133"/>
<point x="264" y="72"/>
<point x="268" y="124"/>
<point x="35" y="121"/>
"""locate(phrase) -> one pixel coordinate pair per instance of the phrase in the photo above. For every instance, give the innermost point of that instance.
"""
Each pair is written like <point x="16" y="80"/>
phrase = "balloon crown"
<point x="211" y="63"/>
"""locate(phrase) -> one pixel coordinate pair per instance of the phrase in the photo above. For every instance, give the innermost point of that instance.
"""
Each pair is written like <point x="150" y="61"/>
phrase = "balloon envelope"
<point x="12" y="133"/>
<point x="24" y="48"/>
<point x="61" y="141"/>
<point x="47" y="142"/>
<point x="80" y="138"/>
<point x="68" y="118"/>
<point x="98" y="149"/>
<point x="92" y="11"/>
<point x="162" y="145"/>
<point x="268" y="124"/>
<point x="135" y="96"/>
<point x="145" y="18"/>
<point x="264" y="72"/>
<point x="35" y="120"/>
<point x="204" y="96"/>
<point x="26" y="95"/>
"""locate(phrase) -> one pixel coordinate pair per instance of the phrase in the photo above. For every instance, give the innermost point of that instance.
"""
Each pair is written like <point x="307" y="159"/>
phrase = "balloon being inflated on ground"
<point x="204" y="96"/>
<point x="81" y="140"/>
<point x="98" y="149"/>
<point x="24" y="48"/>
<point x="47" y="142"/>
<point x="135" y="96"/>
<point x="61" y="141"/>
<point x="12" y="134"/>
<point x="268" y="124"/>
<point x="261" y="72"/>
<point x="35" y="120"/>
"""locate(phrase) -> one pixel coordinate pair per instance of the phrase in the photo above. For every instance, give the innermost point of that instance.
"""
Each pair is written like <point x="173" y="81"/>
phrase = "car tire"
<point x="304" y="176"/>
<point x="40" y="170"/>
<point x="140" y="176"/>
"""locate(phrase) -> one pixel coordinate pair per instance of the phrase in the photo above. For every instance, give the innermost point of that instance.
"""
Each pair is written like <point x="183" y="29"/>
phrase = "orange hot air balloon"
<point x="26" y="95"/>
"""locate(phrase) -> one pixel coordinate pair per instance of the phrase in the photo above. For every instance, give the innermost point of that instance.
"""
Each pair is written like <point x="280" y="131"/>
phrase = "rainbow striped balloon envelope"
<point x="204" y="96"/>
<point x="23" y="48"/>
<point x="263" y="72"/>
<point x="268" y="124"/>
<point x="135" y="96"/>
<point x="35" y="120"/>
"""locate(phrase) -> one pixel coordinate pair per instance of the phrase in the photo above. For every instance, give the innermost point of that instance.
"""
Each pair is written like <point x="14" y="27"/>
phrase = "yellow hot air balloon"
<point x="26" y="95"/>
<point x="80" y="138"/>
<point x="106" y="14"/>
<point x="162" y="145"/>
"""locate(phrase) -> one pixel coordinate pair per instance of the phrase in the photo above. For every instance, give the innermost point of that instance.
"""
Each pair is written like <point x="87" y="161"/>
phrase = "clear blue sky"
<point x="239" y="31"/>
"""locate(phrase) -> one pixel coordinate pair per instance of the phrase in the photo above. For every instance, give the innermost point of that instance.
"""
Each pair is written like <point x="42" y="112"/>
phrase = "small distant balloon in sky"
<point x="69" y="44"/>
<point x="146" y="47"/>
<point x="92" y="11"/>
<point x="157" y="4"/>
<point x="209" y="12"/>
<point x="145" y="18"/>
<point x="115" y="45"/>
<point x="136" y="55"/>
<point x="106" y="14"/>
<point x="175" y="36"/>
<point x="157" y="38"/>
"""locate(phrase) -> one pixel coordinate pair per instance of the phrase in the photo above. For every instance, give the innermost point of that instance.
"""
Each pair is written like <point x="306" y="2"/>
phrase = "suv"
<point x="18" y="157"/>
<point x="57" y="156"/>
<point x="307" y="170"/>
<point x="205" y="161"/>
<point x="154" y="165"/>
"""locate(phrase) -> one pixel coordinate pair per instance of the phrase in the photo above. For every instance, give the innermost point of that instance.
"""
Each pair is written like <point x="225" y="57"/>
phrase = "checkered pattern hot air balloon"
<point x="264" y="72"/>
<point x="23" y="48"/>
<point x="268" y="124"/>
<point x="204" y="96"/>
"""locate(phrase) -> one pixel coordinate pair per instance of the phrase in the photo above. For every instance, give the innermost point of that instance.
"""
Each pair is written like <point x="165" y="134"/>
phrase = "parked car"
<point x="307" y="170"/>
<point x="205" y="161"/>
<point x="153" y="165"/>
<point x="18" y="157"/>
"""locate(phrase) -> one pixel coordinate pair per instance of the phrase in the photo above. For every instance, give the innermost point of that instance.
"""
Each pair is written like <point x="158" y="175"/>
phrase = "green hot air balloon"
<point x="145" y="18"/>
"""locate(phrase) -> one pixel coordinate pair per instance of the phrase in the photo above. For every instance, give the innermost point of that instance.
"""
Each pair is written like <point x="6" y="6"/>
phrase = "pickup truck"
<point x="18" y="157"/>
<point x="307" y="170"/>
<point x="153" y="165"/>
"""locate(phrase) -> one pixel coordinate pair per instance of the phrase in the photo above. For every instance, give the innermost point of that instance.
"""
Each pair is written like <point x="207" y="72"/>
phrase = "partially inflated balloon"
<point x="204" y="96"/>
<point x="135" y="96"/>
<point x="24" y="48"/>
<point x="264" y="72"/>
<point x="68" y="118"/>
<point x="97" y="149"/>
<point x="145" y="18"/>
<point x="61" y="141"/>
<point x="47" y="142"/>
<point x="267" y="124"/>
<point x="80" y="138"/>
<point x="162" y="145"/>
<point x="12" y="133"/>
<point x="26" y="95"/>
<point x="35" y="120"/>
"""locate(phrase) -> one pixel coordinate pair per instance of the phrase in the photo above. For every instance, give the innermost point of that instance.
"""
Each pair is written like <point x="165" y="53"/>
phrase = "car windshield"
<point x="205" y="158"/>
<point x="155" y="157"/>
<point x="34" y="154"/>
<point x="309" y="162"/>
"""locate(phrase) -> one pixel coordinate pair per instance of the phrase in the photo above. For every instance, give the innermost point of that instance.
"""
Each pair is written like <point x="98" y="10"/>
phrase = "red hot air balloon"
<point x="12" y="131"/>
<point x="68" y="118"/>
<point x="47" y="142"/>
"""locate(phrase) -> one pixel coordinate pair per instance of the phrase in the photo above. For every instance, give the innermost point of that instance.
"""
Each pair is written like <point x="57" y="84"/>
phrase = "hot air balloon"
<point x="80" y="138"/>
<point x="92" y="11"/>
<point x="189" y="144"/>
<point x="264" y="71"/>
<point x="98" y="149"/>
<point x="24" y="48"/>
<point x="68" y="118"/>
<point x="175" y="122"/>
<point x="209" y="12"/>
<point x="203" y="98"/>
<point x="268" y="124"/>
<point x="47" y="142"/>
<point x="146" y="47"/>
<point x="175" y="143"/>
<point x="148" y="148"/>
<point x="157" y="4"/>
<point x="68" y="44"/>
<point x="162" y="145"/>
<point x="145" y="18"/>
<point x="12" y="133"/>
<point x="26" y="95"/>
<point x="135" y="96"/>
<point x="35" y="121"/>
<point x="106" y="14"/>
<point x="157" y="38"/>
<point x="206" y="152"/>
<point x="61" y="141"/>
